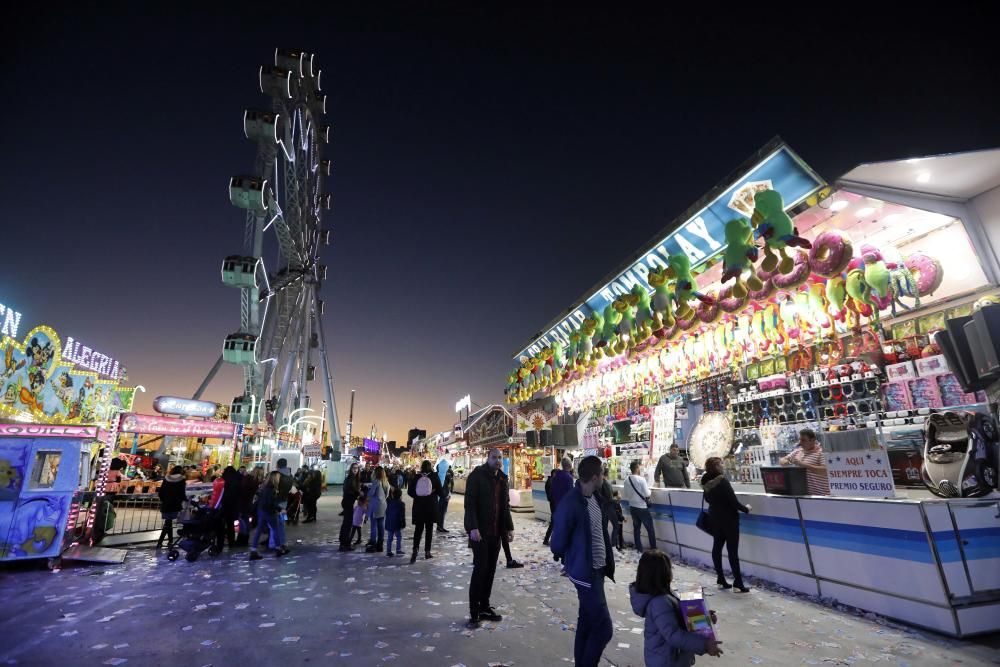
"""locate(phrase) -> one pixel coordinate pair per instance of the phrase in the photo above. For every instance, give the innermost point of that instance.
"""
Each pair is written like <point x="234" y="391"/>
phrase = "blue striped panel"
<point x="978" y="543"/>
<point x="535" y="493"/>
<point x="909" y="545"/>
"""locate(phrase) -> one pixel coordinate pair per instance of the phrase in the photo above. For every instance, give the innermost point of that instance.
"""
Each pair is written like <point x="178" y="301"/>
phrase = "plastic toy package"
<point x="696" y="615"/>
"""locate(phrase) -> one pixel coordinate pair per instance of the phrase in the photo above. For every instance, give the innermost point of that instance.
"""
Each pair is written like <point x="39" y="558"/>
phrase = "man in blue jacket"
<point x="580" y="538"/>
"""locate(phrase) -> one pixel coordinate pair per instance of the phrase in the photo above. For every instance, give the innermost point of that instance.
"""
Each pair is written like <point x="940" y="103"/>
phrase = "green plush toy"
<point x="739" y="256"/>
<point x="609" y="334"/>
<point x="686" y="286"/>
<point x="773" y="225"/>
<point x="588" y="330"/>
<point x="558" y="362"/>
<point x="836" y="297"/>
<point x="663" y="300"/>
<point x="860" y="294"/>
<point x="573" y="350"/>
<point x="597" y="349"/>
<point x="643" y="313"/>
<point x="625" y="307"/>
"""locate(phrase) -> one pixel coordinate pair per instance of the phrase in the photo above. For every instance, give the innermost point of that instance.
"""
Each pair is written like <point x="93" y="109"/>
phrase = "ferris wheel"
<point x="280" y="343"/>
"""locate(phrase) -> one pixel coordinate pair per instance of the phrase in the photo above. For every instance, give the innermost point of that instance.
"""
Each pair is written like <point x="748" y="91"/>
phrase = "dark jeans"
<point x="442" y="510"/>
<point x="642" y="517"/>
<point x="225" y="532"/>
<point x="506" y="547"/>
<point x="593" y="625"/>
<point x="309" y="503"/>
<point x="617" y="538"/>
<point x="418" y="530"/>
<point x="484" y="567"/>
<point x="728" y="535"/>
<point x="346" y="528"/>
<point x="377" y="533"/>
<point x="548" y="531"/>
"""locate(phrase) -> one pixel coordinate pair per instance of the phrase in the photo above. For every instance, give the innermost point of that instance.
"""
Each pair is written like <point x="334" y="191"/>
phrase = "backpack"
<point x="424" y="486"/>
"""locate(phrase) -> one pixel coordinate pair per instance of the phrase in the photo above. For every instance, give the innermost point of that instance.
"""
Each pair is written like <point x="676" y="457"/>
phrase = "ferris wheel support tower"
<point x="281" y="344"/>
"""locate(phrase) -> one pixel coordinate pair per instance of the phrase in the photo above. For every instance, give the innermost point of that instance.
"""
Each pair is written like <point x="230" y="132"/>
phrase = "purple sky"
<point x="489" y="166"/>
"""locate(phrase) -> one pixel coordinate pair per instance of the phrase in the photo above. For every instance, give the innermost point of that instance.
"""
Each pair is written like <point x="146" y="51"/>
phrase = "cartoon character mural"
<point x="36" y="380"/>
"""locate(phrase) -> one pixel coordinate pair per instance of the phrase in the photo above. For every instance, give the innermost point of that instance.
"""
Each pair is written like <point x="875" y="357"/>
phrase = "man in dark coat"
<point x="487" y="521"/>
<point x="560" y="483"/>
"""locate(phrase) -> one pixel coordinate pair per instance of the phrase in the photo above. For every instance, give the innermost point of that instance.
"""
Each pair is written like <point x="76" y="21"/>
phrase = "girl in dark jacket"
<point x="425" y="506"/>
<point x="248" y="490"/>
<point x="267" y="514"/>
<point x="724" y="509"/>
<point x="352" y="489"/>
<point x="232" y="489"/>
<point x="173" y="493"/>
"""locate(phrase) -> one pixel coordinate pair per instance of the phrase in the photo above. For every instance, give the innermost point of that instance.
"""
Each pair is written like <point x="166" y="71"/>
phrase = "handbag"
<point x="704" y="521"/>
<point x="646" y="499"/>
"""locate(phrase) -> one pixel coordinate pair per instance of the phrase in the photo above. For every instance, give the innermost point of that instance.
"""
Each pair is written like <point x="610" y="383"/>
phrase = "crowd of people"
<point x="256" y="500"/>
<point x="586" y="527"/>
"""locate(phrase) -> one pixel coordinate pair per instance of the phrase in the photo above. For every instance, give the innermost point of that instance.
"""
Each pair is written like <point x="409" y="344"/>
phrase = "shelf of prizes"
<point x="778" y="307"/>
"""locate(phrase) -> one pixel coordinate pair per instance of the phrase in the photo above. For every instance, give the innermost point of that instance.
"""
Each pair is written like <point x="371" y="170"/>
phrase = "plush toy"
<point x="901" y="281"/>
<point x="770" y="321"/>
<point x="806" y="325"/>
<point x="625" y="305"/>
<point x="589" y="329"/>
<point x="558" y="362"/>
<point x="739" y="256"/>
<point x="573" y="350"/>
<point x="609" y="337"/>
<point x="663" y="310"/>
<point x="876" y="271"/>
<point x="686" y="287"/>
<point x="546" y="368"/>
<point x="818" y="306"/>
<point x="776" y="228"/>
<point x="788" y="313"/>
<point x="643" y="314"/>
<point x="859" y="293"/>
<point x="836" y="297"/>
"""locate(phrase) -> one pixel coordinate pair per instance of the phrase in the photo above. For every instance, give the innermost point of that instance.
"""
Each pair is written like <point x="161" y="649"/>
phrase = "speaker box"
<point x="984" y="340"/>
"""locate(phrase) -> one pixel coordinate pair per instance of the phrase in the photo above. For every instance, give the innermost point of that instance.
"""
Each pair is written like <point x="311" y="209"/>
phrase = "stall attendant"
<point x="809" y="455"/>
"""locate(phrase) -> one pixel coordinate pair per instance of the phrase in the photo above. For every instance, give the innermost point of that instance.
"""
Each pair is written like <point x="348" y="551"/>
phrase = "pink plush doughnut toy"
<point x="708" y="312"/>
<point x="927" y="272"/>
<point x="729" y="303"/>
<point x="831" y="253"/>
<point x="765" y="292"/>
<point x="797" y="275"/>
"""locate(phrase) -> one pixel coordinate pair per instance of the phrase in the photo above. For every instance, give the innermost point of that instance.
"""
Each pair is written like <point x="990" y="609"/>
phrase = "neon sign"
<point x="85" y="357"/>
<point x="9" y="321"/>
<point x="186" y="407"/>
<point x="47" y="431"/>
<point x="152" y="425"/>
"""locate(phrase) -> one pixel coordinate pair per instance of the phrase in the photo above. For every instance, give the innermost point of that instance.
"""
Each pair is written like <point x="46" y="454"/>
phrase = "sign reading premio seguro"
<point x="700" y="237"/>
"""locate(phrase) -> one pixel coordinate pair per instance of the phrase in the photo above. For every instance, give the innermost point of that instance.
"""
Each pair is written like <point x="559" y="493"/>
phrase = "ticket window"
<point x="45" y="470"/>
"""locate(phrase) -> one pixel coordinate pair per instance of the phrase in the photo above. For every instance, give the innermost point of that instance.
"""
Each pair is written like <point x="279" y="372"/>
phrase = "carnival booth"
<point x="59" y="398"/>
<point x="778" y="303"/>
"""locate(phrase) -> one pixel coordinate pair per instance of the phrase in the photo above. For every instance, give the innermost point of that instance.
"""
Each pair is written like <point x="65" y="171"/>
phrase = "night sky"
<point x="489" y="166"/>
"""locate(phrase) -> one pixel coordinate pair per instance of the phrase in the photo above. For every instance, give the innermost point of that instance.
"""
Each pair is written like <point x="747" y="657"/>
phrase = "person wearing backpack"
<point x="636" y="493"/>
<point x="425" y="489"/>
<point x="666" y="640"/>
<point x="285" y="486"/>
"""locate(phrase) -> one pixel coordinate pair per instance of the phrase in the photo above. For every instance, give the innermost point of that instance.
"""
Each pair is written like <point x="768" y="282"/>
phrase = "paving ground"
<point x="318" y="606"/>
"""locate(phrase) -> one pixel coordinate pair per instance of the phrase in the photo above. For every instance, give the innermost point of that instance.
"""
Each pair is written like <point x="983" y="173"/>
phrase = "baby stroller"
<point x="199" y="527"/>
<point x="294" y="507"/>
<point x="960" y="454"/>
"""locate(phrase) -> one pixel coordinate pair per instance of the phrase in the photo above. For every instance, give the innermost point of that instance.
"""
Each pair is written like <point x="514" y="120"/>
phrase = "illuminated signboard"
<point x="91" y="359"/>
<point x="700" y="236"/>
<point x="38" y="384"/>
<point x="10" y="319"/>
<point x="156" y="425"/>
<point x="47" y="431"/>
<point x="185" y="407"/>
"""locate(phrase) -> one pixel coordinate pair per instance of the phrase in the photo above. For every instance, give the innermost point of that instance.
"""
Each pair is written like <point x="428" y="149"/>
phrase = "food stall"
<point x="778" y="303"/>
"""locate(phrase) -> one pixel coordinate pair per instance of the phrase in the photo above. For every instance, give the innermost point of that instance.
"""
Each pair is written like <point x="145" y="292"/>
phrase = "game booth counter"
<point x="864" y="311"/>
